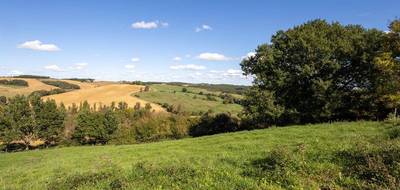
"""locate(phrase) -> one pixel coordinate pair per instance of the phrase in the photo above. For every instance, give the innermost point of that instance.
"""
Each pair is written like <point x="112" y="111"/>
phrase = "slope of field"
<point x="34" y="85"/>
<point x="102" y="95"/>
<point x="214" y="162"/>
<point x="190" y="101"/>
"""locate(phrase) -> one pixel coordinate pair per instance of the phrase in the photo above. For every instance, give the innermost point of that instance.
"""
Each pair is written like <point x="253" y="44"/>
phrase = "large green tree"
<point x="49" y="120"/>
<point x="322" y="71"/>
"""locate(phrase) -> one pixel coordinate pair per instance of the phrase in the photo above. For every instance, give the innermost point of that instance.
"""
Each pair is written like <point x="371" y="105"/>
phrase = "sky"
<point x="164" y="40"/>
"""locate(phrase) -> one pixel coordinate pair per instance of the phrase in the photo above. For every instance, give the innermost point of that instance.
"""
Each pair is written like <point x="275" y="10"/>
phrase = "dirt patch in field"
<point x="103" y="95"/>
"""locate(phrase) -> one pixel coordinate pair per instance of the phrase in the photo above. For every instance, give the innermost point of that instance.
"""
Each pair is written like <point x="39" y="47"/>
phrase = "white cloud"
<point x="164" y="24"/>
<point x="188" y="55"/>
<point x="53" y="68"/>
<point x="130" y="66"/>
<point x="203" y="27"/>
<point x="135" y="59"/>
<point x="248" y="55"/>
<point x="15" y="72"/>
<point x="213" y="57"/>
<point x="79" y="66"/>
<point x="149" y="25"/>
<point x="233" y="72"/>
<point x="187" y="67"/>
<point x="177" y="59"/>
<point x="39" y="46"/>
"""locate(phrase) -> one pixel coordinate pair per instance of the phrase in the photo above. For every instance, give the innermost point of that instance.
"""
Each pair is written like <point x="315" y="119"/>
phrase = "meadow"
<point x="193" y="100"/>
<point x="237" y="160"/>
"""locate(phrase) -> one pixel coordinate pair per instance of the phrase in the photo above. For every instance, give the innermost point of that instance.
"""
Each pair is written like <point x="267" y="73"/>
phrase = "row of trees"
<point x="321" y="71"/>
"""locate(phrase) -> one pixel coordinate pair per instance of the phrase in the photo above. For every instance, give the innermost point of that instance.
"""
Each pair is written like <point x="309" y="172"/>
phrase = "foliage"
<point x="49" y="120"/>
<point x="42" y="93"/>
<point x="61" y="84"/>
<point x="210" y="124"/>
<point x="321" y="71"/>
<point x="32" y="76"/>
<point x="95" y="127"/>
<point x="81" y="79"/>
<point x="27" y="120"/>
<point x="376" y="166"/>
<point x="14" y="82"/>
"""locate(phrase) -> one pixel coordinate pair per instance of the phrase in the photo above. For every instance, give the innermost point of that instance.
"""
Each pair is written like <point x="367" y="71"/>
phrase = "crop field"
<point x="34" y="85"/>
<point x="102" y="95"/>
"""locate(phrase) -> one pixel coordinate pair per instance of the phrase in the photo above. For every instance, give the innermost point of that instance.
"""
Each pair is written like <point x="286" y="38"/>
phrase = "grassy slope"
<point x="161" y="93"/>
<point x="220" y="159"/>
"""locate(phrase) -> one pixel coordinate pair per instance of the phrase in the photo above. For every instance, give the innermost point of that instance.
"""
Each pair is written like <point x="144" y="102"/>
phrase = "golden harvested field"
<point x="34" y="85"/>
<point x="103" y="95"/>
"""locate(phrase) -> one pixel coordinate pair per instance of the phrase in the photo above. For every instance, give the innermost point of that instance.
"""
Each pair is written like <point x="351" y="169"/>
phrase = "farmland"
<point x="33" y="85"/>
<point x="102" y="95"/>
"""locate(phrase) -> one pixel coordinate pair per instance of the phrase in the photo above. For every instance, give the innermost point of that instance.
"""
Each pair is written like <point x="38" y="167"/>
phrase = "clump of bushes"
<point x="373" y="166"/>
<point x="32" y="77"/>
<point x="210" y="124"/>
<point x="42" y="93"/>
<point x="61" y="84"/>
<point x="14" y="82"/>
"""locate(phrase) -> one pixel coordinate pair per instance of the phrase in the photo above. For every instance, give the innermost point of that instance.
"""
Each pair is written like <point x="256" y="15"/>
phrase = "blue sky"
<point x="164" y="40"/>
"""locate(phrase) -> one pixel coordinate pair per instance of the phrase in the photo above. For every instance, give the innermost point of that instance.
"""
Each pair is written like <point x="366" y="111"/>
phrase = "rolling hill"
<point x="196" y="100"/>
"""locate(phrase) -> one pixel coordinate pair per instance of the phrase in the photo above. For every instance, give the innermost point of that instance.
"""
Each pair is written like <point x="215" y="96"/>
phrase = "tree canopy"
<point x="322" y="71"/>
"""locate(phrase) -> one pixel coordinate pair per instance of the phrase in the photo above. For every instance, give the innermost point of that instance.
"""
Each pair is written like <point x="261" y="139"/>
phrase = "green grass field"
<point x="224" y="161"/>
<point x="171" y="94"/>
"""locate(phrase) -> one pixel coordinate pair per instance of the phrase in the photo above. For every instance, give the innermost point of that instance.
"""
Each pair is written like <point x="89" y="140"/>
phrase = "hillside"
<point x="193" y="100"/>
<point x="33" y="85"/>
<point x="196" y="100"/>
<point x="102" y="95"/>
<point x="226" y="161"/>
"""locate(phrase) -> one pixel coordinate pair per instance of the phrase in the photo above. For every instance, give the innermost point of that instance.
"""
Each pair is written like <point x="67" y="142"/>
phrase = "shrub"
<point x="32" y="77"/>
<point x="3" y="100"/>
<point x="14" y="82"/>
<point x="376" y="166"/>
<point x="210" y="124"/>
<point x="61" y="84"/>
<point x="95" y="127"/>
<point x="184" y="90"/>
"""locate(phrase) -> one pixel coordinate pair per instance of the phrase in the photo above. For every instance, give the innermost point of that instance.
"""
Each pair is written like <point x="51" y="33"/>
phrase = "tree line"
<point x="28" y="122"/>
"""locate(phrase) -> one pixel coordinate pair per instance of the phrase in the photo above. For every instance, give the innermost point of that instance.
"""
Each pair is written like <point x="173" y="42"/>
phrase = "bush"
<point x="61" y="84"/>
<point x="3" y="100"/>
<point x="42" y="93"/>
<point x="280" y="167"/>
<point x="14" y="82"/>
<point x="375" y="166"/>
<point x="95" y="127"/>
<point x="210" y="124"/>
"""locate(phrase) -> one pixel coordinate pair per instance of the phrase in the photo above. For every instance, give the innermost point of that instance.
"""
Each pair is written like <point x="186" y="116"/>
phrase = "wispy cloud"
<point x="38" y="46"/>
<point x="15" y="72"/>
<point x="135" y="59"/>
<point x="177" y="59"/>
<point x="187" y="67"/>
<point x="213" y="57"/>
<point x="149" y="25"/>
<point x="79" y="66"/>
<point x="203" y="28"/>
<point x="53" y="68"/>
